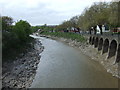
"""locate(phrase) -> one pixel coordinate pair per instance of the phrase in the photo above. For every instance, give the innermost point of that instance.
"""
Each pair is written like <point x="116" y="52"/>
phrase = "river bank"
<point x="89" y="50"/>
<point x="21" y="72"/>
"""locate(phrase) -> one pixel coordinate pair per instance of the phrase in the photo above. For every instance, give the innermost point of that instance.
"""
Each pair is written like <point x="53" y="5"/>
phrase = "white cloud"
<point x="44" y="11"/>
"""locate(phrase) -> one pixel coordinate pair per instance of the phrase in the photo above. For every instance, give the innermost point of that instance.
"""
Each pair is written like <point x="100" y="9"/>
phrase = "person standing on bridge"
<point x="94" y="28"/>
<point x="91" y="30"/>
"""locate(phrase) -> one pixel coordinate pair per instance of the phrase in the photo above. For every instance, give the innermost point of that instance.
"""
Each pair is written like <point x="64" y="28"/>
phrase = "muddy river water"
<point x="62" y="66"/>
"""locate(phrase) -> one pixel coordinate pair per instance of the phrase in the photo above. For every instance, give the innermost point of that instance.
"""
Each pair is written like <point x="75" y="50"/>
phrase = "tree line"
<point x="100" y="13"/>
<point x="14" y="37"/>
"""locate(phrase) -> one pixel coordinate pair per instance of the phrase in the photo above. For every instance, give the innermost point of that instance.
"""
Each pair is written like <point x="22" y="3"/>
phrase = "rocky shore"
<point x="93" y="53"/>
<point x="21" y="72"/>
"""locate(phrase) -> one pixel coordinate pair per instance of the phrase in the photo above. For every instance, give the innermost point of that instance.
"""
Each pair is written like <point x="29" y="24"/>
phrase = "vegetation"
<point x="72" y="36"/>
<point x="22" y="29"/>
<point x="100" y="13"/>
<point x="43" y="27"/>
<point x="15" y="38"/>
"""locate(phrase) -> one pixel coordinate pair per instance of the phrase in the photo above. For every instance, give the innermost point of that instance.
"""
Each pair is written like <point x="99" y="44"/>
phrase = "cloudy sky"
<point x="38" y="12"/>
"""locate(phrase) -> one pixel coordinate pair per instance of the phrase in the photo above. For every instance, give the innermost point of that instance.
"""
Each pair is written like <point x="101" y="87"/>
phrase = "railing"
<point x="104" y="34"/>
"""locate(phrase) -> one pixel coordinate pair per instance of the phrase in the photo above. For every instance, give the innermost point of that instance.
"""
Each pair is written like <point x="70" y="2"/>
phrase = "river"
<point x="62" y="66"/>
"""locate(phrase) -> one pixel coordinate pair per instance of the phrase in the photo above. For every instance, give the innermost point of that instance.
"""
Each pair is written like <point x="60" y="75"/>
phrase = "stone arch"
<point x="96" y="42"/>
<point x="118" y="54"/>
<point x="90" y="40"/>
<point x="100" y="44"/>
<point x="113" y="48"/>
<point x="93" y="40"/>
<point x="105" y="46"/>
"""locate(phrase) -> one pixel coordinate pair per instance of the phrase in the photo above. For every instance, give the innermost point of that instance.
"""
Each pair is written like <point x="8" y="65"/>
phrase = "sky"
<point x="40" y="12"/>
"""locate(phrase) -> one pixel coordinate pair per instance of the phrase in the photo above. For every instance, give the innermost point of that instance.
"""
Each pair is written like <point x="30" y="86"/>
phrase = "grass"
<point x="72" y="36"/>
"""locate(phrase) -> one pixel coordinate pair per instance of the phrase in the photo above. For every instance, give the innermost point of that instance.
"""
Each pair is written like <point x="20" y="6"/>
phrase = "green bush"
<point x="14" y="38"/>
<point x="22" y="29"/>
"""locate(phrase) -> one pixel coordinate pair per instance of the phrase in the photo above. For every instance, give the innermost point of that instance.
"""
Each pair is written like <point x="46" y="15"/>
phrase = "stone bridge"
<point x="109" y="44"/>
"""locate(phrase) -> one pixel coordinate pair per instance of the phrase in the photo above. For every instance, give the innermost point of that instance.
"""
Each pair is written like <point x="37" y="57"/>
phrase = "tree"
<point x="22" y="30"/>
<point x="6" y="26"/>
<point x="14" y="37"/>
<point x="6" y="23"/>
<point x="100" y="13"/>
<point x="114" y="13"/>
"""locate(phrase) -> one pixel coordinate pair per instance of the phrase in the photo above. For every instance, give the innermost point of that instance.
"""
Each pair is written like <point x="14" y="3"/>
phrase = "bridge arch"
<point x="93" y="40"/>
<point x="90" y="40"/>
<point x="118" y="54"/>
<point x="113" y="48"/>
<point x="96" y="42"/>
<point x="105" y="46"/>
<point x="100" y="44"/>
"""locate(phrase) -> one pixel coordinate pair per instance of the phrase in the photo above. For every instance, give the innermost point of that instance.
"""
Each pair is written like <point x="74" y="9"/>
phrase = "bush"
<point x="22" y="29"/>
<point x="15" y="39"/>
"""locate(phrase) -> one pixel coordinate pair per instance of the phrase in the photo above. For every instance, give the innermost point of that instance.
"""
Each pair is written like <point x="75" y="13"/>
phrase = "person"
<point x="95" y="29"/>
<point x="91" y="29"/>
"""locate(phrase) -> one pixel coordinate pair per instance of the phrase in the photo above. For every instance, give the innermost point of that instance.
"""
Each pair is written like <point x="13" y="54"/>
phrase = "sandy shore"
<point x="21" y="72"/>
<point x="93" y="53"/>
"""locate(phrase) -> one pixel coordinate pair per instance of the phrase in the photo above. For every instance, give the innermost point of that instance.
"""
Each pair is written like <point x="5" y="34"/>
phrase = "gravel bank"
<point x="21" y="72"/>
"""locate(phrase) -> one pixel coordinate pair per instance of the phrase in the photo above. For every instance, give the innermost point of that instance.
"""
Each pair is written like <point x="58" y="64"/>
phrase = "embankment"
<point x="21" y="72"/>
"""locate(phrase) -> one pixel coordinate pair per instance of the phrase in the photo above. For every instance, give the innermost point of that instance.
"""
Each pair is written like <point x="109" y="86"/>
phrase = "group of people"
<point x="99" y="29"/>
<point x="74" y="30"/>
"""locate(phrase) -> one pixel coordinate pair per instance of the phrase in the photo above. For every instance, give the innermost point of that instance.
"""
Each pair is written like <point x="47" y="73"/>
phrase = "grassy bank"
<point x="72" y="36"/>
